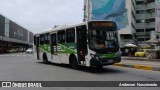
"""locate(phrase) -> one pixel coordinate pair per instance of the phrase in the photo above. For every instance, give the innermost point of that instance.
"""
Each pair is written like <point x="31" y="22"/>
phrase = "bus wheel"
<point x="99" y="67"/>
<point x="45" y="59"/>
<point x="74" y="63"/>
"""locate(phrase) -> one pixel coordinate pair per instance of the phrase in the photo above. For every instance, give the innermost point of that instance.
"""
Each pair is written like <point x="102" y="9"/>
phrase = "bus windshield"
<point x="103" y="40"/>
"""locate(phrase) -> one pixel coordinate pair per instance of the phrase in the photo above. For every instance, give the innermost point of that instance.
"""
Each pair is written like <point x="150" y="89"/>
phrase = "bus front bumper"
<point x="102" y="62"/>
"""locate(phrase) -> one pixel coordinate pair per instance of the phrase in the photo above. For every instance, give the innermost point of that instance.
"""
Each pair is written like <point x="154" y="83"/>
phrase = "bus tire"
<point x="45" y="59"/>
<point x="99" y="66"/>
<point x="73" y="62"/>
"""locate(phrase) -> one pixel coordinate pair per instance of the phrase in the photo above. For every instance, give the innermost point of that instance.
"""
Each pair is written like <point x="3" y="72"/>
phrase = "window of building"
<point x="140" y="21"/>
<point x="70" y="35"/>
<point x="144" y="2"/>
<point x="141" y="39"/>
<point x="150" y="10"/>
<point x="139" y="30"/>
<point x="150" y="1"/>
<point x="126" y="36"/>
<point x="150" y="29"/>
<point x="140" y="2"/>
<point x="140" y="11"/>
<point x="150" y="20"/>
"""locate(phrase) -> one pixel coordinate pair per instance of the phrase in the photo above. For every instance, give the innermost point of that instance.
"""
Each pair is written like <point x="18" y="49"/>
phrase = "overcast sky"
<point x="38" y="15"/>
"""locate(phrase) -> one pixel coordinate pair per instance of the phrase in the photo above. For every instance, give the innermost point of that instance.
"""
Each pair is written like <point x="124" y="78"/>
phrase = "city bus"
<point x="91" y="44"/>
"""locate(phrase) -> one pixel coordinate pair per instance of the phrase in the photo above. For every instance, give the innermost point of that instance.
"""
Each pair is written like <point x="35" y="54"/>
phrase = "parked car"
<point x="10" y="50"/>
<point x="141" y="53"/>
<point x="29" y="51"/>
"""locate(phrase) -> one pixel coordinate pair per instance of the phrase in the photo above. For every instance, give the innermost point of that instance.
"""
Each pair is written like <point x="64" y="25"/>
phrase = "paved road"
<point x="22" y="67"/>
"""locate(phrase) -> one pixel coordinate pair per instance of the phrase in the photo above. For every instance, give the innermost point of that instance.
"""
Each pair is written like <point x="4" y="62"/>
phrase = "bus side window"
<point x="70" y="35"/>
<point x="61" y="37"/>
<point x="41" y="39"/>
<point x="54" y="40"/>
<point x="47" y="38"/>
<point x="35" y="41"/>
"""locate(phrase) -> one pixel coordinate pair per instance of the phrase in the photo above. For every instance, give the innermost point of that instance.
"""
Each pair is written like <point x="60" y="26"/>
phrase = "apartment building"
<point x="145" y="19"/>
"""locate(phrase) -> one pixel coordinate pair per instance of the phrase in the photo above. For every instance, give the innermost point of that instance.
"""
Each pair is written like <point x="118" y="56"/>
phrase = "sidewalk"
<point x="140" y="63"/>
<point x="139" y="58"/>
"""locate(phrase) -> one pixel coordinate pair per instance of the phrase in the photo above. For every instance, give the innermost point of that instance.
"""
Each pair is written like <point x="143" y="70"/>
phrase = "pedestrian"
<point x="126" y="51"/>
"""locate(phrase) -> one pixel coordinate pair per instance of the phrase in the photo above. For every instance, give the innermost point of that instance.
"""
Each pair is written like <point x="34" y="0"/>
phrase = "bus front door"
<point x="81" y="43"/>
<point x="54" y="47"/>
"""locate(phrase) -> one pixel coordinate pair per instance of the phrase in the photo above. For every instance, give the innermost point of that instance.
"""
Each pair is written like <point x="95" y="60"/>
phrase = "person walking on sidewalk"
<point x="126" y="52"/>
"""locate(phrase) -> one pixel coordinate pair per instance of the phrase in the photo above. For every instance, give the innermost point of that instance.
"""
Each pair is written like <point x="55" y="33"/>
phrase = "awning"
<point x="130" y="45"/>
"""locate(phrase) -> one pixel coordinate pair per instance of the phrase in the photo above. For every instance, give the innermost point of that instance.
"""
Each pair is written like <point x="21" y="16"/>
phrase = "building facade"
<point x="135" y="18"/>
<point x="145" y="19"/>
<point x="13" y="35"/>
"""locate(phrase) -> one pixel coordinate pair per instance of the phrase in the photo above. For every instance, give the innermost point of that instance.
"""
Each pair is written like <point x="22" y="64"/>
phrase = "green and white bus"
<point x="91" y="44"/>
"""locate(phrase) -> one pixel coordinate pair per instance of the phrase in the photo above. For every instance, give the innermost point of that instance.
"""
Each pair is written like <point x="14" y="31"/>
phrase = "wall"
<point x="112" y="10"/>
<point x="17" y="32"/>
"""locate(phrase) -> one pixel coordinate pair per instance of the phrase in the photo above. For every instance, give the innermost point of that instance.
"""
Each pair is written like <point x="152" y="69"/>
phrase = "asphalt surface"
<point x="23" y="67"/>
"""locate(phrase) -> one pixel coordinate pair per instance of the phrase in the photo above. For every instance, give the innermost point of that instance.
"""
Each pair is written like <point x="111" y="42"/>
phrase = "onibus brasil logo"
<point x="21" y="84"/>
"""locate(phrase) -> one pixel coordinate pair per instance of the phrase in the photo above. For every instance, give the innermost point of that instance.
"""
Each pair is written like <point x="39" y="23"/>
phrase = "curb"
<point x="139" y="59"/>
<point x="143" y="67"/>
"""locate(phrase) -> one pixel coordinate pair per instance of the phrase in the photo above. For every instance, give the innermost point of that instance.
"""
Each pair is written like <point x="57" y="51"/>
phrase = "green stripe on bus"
<point x="46" y="47"/>
<point x="67" y="48"/>
<point x="106" y="55"/>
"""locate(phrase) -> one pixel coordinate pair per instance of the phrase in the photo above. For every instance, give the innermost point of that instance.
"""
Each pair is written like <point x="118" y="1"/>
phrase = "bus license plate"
<point x="110" y="61"/>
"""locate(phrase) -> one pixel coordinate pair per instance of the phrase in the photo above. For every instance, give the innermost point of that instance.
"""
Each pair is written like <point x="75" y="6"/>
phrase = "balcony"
<point x="146" y="15"/>
<point x="145" y="25"/>
<point x="146" y="6"/>
<point x="140" y="7"/>
<point x="142" y="33"/>
<point x="150" y="5"/>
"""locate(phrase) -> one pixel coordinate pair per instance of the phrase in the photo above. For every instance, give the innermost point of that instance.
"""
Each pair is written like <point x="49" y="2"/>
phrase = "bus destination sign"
<point x="103" y="24"/>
